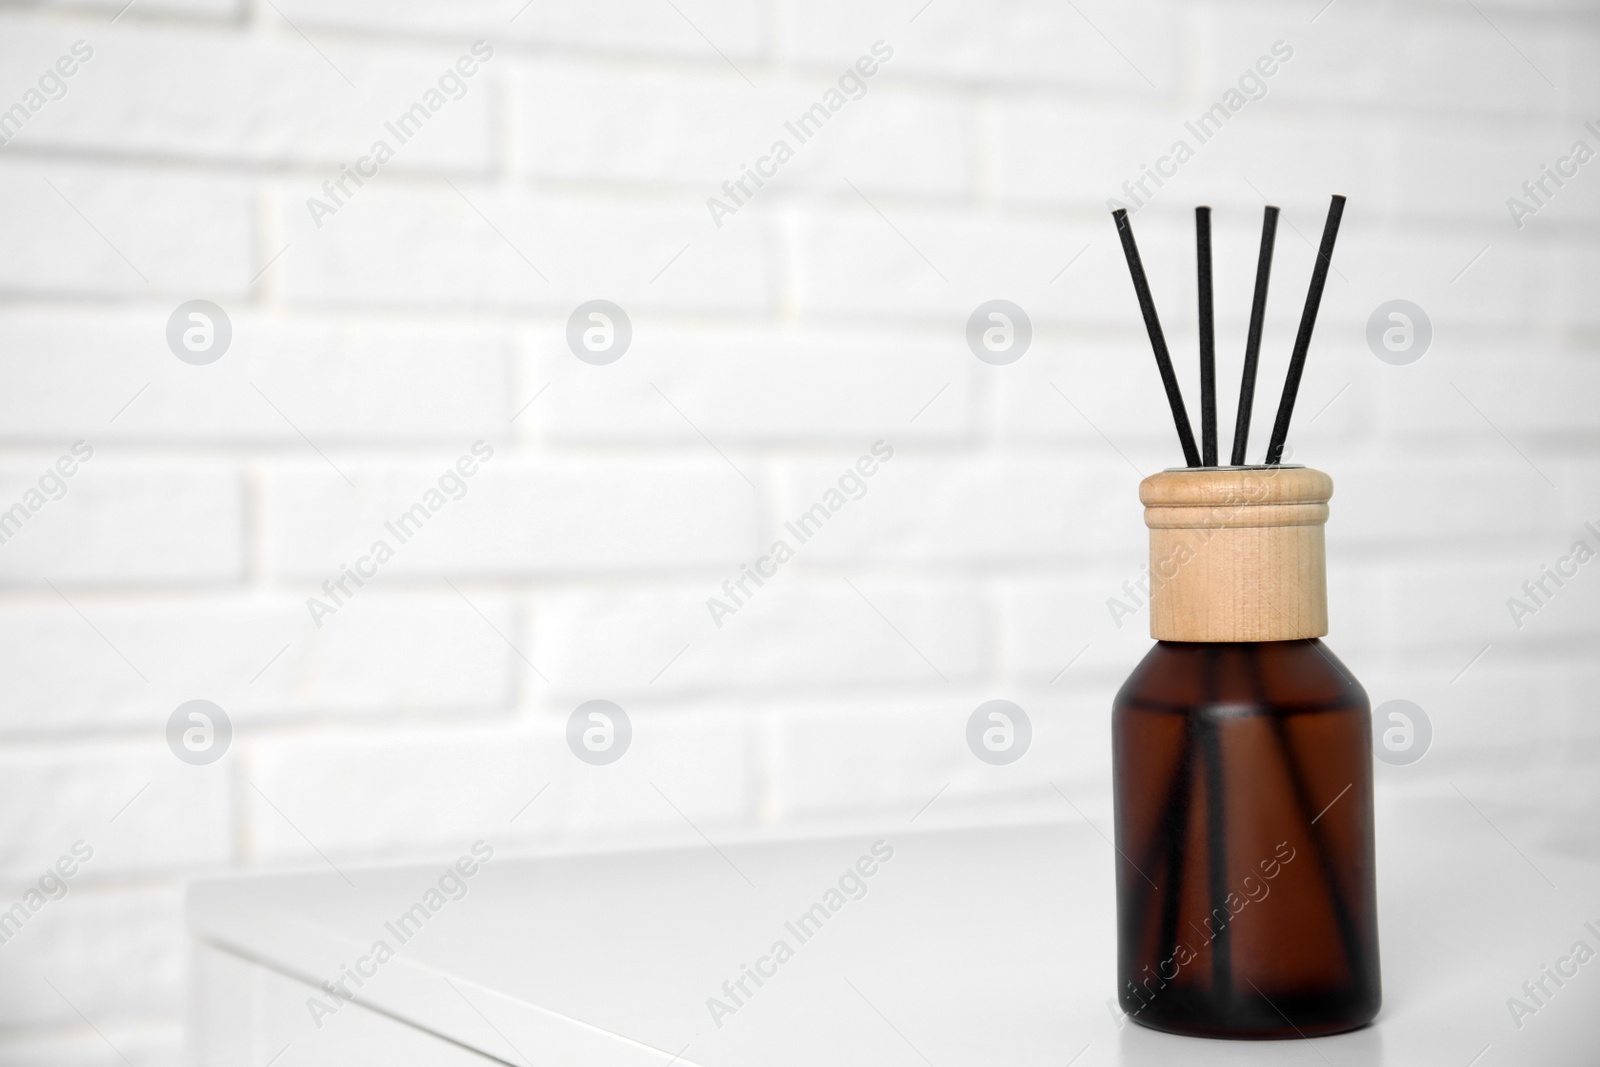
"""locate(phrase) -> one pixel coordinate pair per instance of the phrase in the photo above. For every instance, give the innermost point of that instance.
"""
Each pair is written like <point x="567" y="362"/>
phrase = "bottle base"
<point x="1259" y="1021"/>
<point x="1283" y="1034"/>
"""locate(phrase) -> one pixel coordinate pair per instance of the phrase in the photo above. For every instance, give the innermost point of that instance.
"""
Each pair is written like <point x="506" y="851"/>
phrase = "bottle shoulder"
<point x="1286" y="675"/>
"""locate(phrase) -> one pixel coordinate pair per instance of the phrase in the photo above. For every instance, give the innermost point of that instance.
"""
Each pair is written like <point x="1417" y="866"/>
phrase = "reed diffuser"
<point x="1241" y="746"/>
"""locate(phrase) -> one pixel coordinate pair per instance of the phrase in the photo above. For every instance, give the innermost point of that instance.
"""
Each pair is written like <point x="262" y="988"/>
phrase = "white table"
<point x="969" y="946"/>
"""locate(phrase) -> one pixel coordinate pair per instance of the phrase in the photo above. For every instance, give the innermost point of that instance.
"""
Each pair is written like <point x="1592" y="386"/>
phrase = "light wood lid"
<point x="1237" y="554"/>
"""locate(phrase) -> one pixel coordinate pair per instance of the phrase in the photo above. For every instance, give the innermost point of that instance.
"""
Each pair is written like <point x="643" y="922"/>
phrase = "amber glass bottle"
<point x="1246" y="896"/>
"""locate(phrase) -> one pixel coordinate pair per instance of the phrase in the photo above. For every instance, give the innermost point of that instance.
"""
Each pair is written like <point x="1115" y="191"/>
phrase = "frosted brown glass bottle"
<point x="1242" y="762"/>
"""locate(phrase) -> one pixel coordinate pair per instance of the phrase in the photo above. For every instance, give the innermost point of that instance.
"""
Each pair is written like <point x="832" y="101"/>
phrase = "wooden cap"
<point x="1236" y="553"/>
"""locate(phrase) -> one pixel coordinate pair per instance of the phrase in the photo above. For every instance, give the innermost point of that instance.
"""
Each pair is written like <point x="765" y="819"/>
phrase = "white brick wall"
<point x="429" y="312"/>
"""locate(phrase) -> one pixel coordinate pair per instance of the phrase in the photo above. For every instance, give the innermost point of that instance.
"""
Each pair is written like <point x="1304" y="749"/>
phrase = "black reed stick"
<point x="1158" y="342"/>
<point x="1208" y="340"/>
<point x="1216" y="832"/>
<point x="1302" y="340"/>
<point x="1252" y="344"/>
<point x="1174" y="827"/>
